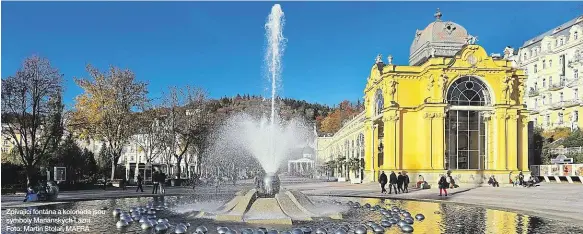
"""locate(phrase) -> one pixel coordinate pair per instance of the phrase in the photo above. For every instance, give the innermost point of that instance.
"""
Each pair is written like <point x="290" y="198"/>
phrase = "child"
<point x="30" y="195"/>
<point x="443" y="185"/>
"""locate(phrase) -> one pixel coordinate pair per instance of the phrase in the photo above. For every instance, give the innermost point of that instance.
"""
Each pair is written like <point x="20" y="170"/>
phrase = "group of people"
<point x="446" y="182"/>
<point x="158" y="181"/>
<point x="519" y="180"/>
<point x="398" y="182"/>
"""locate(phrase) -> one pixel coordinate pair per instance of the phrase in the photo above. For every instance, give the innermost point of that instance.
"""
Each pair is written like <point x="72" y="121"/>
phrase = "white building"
<point x="553" y="62"/>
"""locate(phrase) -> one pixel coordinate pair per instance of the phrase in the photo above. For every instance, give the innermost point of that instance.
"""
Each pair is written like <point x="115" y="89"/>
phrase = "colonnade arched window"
<point x="379" y="102"/>
<point x="465" y="129"/>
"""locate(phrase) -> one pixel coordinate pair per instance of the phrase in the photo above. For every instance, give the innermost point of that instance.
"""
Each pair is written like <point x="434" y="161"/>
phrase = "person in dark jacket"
<point x="140" y="180"/>
<point x="155" y="181"/>
<point x="383" y="181"/>
<point x="393" y="182"/>
<point x="443" y="185"/>
<point x="521" y="179"/>
<point x="405" y="182"/>
<point x="400" y="180"/>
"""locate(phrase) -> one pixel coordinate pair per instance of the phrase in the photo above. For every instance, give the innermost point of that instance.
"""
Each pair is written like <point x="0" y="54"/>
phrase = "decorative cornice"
<point x="391" y="118"/>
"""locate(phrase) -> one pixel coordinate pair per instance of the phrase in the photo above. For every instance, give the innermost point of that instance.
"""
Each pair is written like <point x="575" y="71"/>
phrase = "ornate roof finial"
<point x="438" y="15"/>
<point x="379" y="58"/>
<point x="390" y="59"/>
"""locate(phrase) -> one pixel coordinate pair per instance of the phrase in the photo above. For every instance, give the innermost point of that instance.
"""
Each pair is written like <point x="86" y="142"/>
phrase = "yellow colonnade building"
<point x="452" y="108"/>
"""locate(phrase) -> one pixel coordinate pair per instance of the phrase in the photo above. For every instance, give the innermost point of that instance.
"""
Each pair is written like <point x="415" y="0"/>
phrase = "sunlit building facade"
<point x="453" y="107"/>
<point x="553" y="63"/>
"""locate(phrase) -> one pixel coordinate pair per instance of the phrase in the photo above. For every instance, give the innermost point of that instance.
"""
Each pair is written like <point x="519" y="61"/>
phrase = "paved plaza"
<point x="554" y="201"/>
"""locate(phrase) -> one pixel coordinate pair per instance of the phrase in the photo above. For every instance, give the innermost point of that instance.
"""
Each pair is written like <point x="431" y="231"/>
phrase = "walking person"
<point x="104" y="182"/>
<point x="123" y="183"/>
<point x="405" y="182"/>
<point x="155" y="181"/>
<point x="443" y="185"/>
<point x="451" y="181"/>
<point x="400" y="180"/>
<point x="162" y="183"/>
<point x="383" y="181"/>
<point x="140" y="182"/>
<point x="393" y="182"/>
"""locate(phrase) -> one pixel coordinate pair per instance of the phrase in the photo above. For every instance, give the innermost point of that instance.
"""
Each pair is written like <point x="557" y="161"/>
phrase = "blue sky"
<point x="220" y="45"/>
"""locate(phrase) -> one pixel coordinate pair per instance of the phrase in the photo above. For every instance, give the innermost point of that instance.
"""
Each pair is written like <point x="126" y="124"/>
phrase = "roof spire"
<point x="437" y="15"/>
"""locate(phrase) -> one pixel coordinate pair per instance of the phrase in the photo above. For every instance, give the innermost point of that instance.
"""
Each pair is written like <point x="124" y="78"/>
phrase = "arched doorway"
<point x="465" y="129"/>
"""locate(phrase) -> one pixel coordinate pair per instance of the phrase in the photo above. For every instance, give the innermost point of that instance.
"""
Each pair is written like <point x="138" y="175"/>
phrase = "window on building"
<point x="576" y="35"/>
<point x="544" y="83"/>
<point x="561" y="96"/>
<point x="576" y="94"/>
<point x="550" y="80"/>
<point x="562" y="80"/>
<point x="524" y="56"/>
<point x="535" y="69"/>
<point x="561" y="42"/>
<point x="535" y="102"/>
<point x="549" y="46"/>
<point x="576" y="74"/>
<point x="547" y="119"/>
<point x="535" y="85"/>
<point x="560" y="117"/>
<point x="550" y="99"/>
<point x="575" y="116"/>
<point x="544" y="64"/>
<point x="536" y="120"/>
<point x="544" y="100"/>
<point x="550" y="63"/>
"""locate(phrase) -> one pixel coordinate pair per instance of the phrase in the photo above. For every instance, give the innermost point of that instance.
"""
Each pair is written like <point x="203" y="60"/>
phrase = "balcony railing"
<point x="533" y="93"/>
<point x="557" y="86"/>
<point x="564" y="104"/>
<point x="572" y="82"/>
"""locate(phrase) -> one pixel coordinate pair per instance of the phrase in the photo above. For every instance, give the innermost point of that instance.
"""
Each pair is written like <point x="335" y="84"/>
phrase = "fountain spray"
<point x="273" y="55"/>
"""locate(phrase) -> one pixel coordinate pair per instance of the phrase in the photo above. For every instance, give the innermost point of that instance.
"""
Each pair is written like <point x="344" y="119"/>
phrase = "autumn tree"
<point x="187" y="121"/>
<point x="104" y="111"/>
<point x="32" y="111"/>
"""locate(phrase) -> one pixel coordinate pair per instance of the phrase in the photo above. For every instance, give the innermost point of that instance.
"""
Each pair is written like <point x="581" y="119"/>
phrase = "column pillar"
<point x="523" y="148"/>
<point x="512" y="141"/>
<point x="500" y="156"/>
<point x="391" y="140"/>
<point x="369" y="150"/>
<point x="426" y="136"/>
<point x="438" y="141"/>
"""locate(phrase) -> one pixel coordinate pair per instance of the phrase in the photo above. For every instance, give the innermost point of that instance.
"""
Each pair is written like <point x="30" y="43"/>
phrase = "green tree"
<point x="32" y="112"/>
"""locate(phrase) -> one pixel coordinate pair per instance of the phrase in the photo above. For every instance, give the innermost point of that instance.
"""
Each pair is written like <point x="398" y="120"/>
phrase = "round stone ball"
<point x="180" y="229"/>
<point x="201" y="230"/>
<point x="350" y="202"/>
<point x="366" y="205"/>
<point x="340" y="231"/>
<point x="146" y="225"/>
<point x="297" y="231"/>
<point x="378" y="207"/>
<point x="420" y="217"/>
<point x="143" y="219"/>
<point x="384" y="212"/>
<point x="128" y="219"/>
<point x="386" y="224"/>
<point x="408" y="220"/>
<point x="406" y="214"/>
<point x="393" y="221"/>
<point x="355" y="206"/>
<point x="273" y="232"/>
<point x="262" y="229"/>
<point x="407" y="228"/>
<point x="161" y="227"/>
<point x="286" y="232"/>
<point x="231" y="232"/>
<point x="401" y="223"/>
<point x="379" y="229"/>
<point x="116" y="211"/>
<point x="369" y="223"/>
<point x="361" y="229"/>
<point x="258" y="232"/>
<point x="121" y="224"/>
<point x="223" y="230"/>
<point x="307" y="230"/>
<point x="247" y="231"/>
<point x="384" y="219"/>
<point x="321" y="231"/>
